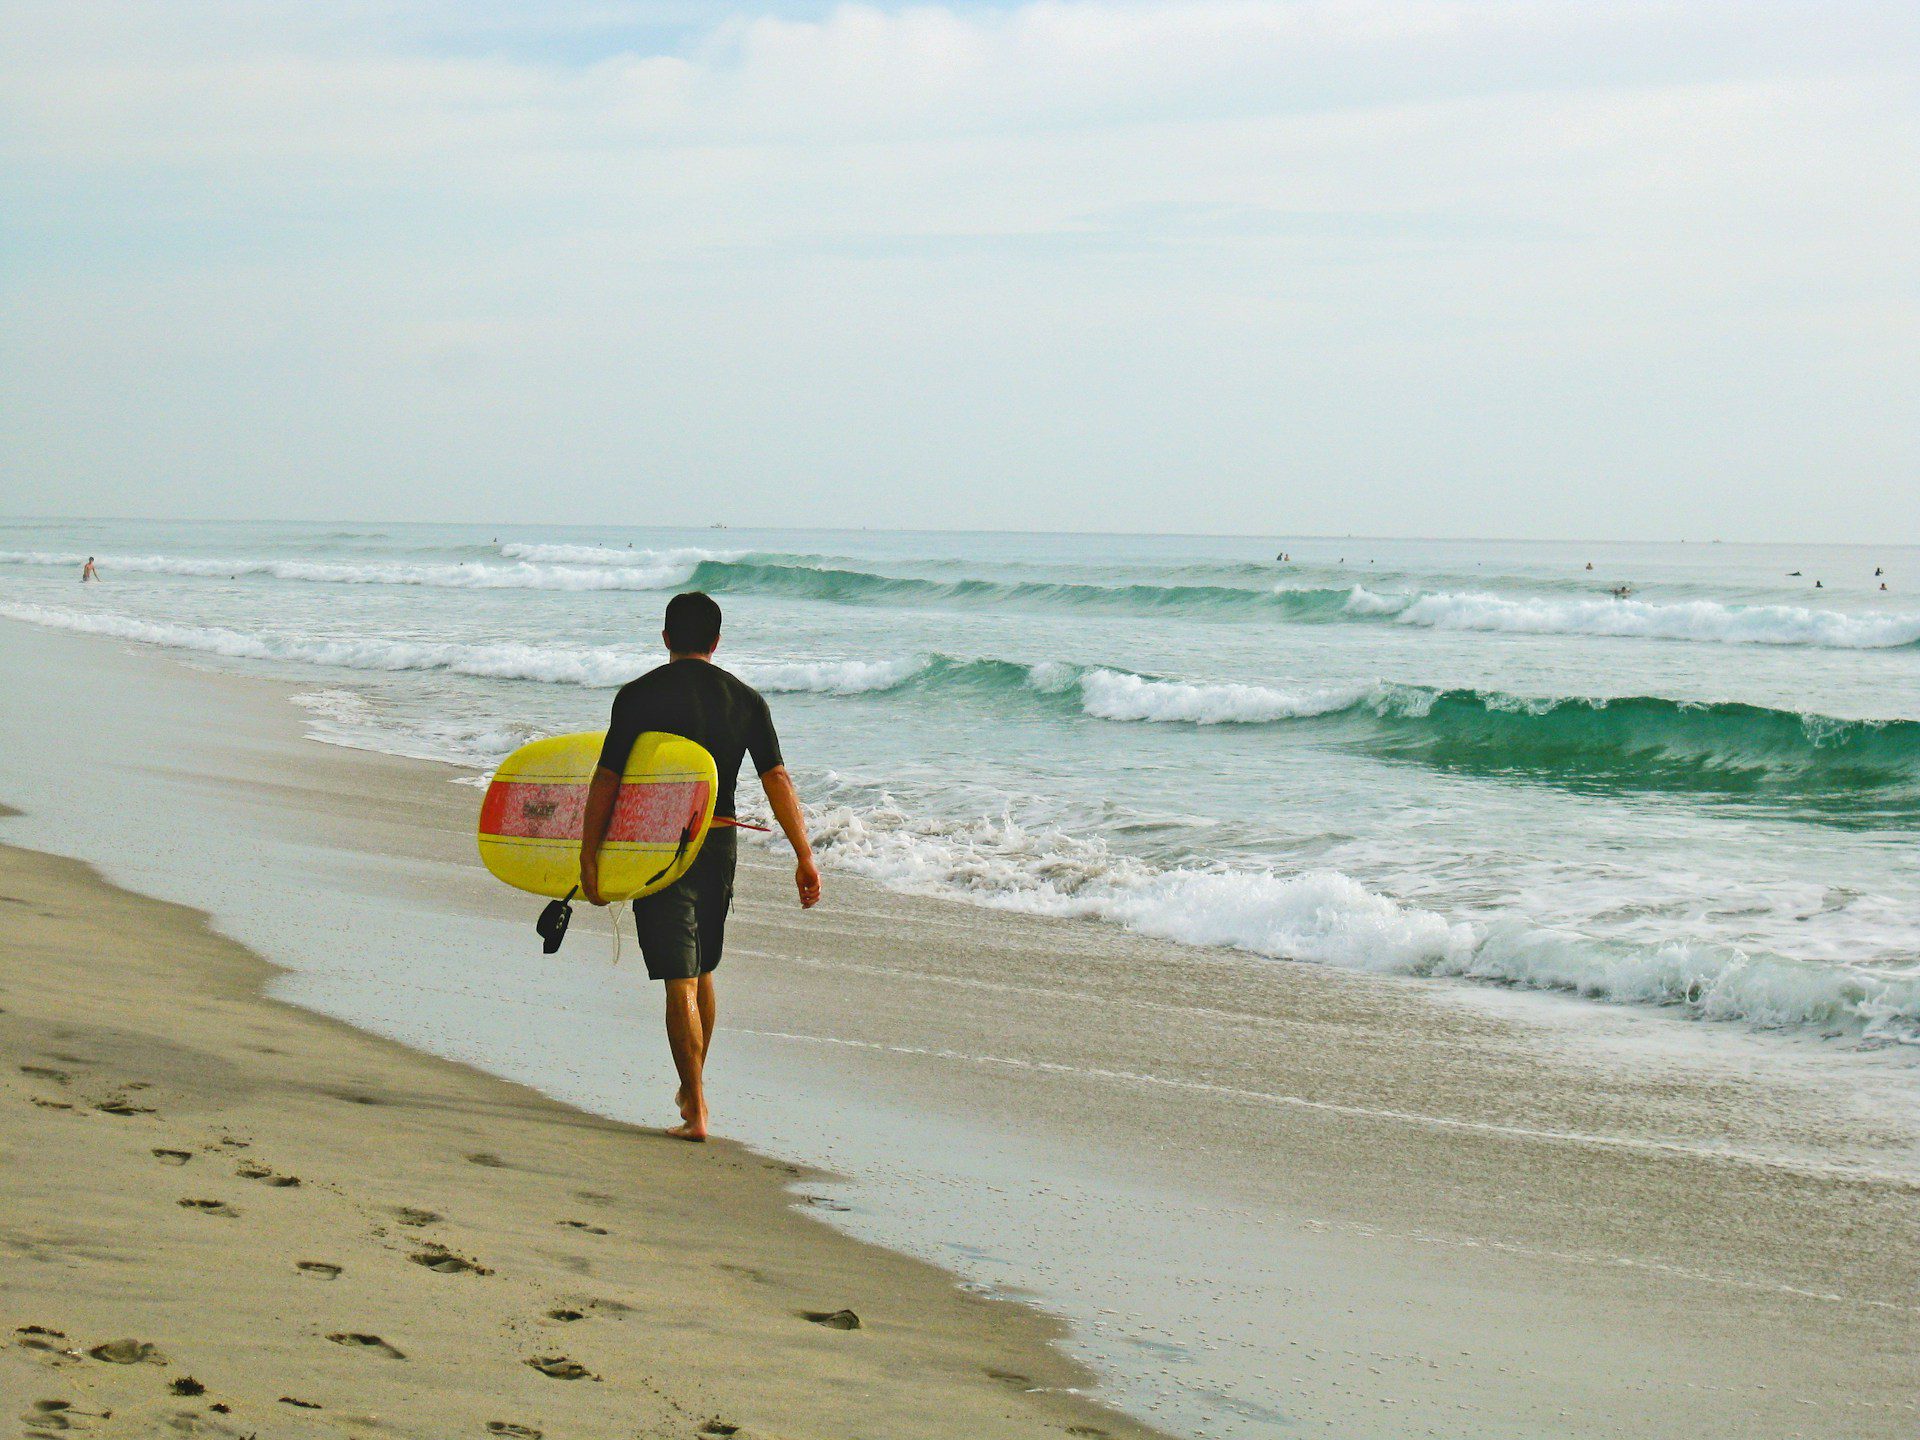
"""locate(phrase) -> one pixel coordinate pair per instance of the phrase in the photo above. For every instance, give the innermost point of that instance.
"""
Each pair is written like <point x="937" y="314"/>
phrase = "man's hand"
<point x="590" y="883"/>
<point x="806" y="879"/>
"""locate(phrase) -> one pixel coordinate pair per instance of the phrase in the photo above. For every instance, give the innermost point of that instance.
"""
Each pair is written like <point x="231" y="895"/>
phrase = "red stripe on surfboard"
<point x="642" y="814"/>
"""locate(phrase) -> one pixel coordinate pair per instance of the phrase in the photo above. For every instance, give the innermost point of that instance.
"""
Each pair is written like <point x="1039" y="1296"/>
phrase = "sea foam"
<point x="593" y="667"/>
<point x="642" y="570"/>
<point x="1327" y="917"/>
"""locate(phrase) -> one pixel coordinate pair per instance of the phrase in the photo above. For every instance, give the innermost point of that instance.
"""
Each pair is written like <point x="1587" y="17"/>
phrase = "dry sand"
<point x="321" y="1233"/>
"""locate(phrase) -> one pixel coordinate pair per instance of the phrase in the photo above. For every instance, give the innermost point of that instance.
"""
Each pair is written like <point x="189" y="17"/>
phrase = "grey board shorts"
<point x="683" y="927"/>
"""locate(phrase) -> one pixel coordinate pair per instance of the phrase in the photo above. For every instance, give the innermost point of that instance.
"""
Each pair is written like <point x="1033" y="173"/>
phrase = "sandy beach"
<point x="224" y="1216"/>
<point x="1265" y="1199"/>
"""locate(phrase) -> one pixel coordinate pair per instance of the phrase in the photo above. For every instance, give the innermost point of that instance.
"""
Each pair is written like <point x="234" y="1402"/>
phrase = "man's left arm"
<point x="785" y="801"/>
<point x="764" y="745"/>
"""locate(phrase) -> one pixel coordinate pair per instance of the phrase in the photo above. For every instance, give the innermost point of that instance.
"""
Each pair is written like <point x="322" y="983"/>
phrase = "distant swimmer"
<point x="87" y="572"/>
<point x="1877" y="573"/>
<point x="1792" y="573"/>
<point x="1621" y="592"/>
<point x="1589" y="564"/>
<point x="1883" y="584"/>
<point x="1818" y="585"/>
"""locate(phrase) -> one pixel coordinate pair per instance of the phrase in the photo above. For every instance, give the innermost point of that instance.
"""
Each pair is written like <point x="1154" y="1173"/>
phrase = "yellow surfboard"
<point x="530" y="820"/>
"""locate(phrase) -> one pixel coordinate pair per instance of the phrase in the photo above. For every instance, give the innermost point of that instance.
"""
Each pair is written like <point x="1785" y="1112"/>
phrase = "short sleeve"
<point x="762" y="743"/>
<point x="623" y="728"/>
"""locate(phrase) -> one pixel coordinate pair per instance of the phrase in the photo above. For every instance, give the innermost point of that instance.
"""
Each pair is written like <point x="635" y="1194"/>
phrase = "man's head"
<point x="693" y="624"/>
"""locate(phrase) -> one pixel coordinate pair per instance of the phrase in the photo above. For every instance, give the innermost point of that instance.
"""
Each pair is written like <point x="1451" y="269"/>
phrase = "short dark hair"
<point x="693" y="623"/>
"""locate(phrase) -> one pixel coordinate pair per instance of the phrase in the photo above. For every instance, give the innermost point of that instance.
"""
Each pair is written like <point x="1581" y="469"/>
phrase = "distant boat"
<point x="716" y="525"/>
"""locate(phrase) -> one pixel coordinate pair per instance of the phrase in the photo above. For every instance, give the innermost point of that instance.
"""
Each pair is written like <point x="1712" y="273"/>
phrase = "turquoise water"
<point x="1457" y="758"/>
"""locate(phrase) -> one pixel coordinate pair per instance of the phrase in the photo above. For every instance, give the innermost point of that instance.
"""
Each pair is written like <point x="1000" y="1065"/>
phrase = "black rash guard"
<point x="699" y="700"/>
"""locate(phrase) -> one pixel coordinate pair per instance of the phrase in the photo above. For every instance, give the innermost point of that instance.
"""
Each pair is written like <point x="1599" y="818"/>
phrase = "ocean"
<point x="1468" y="760"/>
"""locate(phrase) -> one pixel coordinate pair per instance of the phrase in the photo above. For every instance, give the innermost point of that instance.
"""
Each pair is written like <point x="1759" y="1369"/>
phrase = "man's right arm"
<point x="623" y="729"/>
<point x="601" y="793"/>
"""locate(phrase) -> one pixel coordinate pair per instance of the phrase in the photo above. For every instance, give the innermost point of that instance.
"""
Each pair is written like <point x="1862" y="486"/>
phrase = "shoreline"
<point x="306" y="1152"/>
<point x="1268" y="1198"/>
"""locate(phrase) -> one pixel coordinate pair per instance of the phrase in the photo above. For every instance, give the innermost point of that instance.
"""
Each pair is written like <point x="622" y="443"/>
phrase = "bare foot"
<point x="693" y="1117"/>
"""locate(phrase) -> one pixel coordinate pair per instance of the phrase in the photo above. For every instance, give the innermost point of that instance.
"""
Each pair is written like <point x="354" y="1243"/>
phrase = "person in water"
<point x="87" y="572"/>
<point x="683" y="926"/>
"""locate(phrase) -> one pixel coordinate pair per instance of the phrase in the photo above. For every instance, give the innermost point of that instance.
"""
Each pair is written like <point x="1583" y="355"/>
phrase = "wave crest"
<point x="531" y="566"/>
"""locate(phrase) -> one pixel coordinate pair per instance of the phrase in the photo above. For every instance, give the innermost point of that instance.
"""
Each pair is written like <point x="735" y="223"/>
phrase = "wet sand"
<point x="1274" y="1199"/>
<point x="220" y="1215"/>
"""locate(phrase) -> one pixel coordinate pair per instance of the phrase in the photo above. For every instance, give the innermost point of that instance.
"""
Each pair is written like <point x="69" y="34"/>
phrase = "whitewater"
<point x="1467" y="762"/>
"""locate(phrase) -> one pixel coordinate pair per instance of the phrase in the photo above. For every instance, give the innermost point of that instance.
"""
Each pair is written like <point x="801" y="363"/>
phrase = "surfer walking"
<point x="682" y="927"/>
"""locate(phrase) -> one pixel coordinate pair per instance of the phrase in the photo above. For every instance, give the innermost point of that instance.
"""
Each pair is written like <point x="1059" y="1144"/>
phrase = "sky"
<point x="1639" y="269"/>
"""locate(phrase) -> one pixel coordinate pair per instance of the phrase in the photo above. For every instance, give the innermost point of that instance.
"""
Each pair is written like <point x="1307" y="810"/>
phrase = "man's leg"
<point x="709" y="1017"/>
<point x="687" y="1039"/>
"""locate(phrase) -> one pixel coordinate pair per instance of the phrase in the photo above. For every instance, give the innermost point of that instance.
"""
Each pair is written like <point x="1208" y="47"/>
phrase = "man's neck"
<point x="673" y="655"/>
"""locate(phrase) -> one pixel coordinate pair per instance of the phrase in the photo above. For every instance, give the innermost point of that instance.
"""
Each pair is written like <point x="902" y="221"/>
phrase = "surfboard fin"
<point x="552" y="924"/>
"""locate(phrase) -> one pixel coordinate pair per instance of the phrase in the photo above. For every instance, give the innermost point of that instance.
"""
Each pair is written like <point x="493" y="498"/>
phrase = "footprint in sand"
<point x="253" y="1170"/>
<point x="409" y="1215"/>
<point x="47" y="1072"/>
<point x="173" y="1157"/>
<point x="559" y="1367"/>
<point x="582" y="1225"/>
<point x="49" y="1417"/>
<point x="566" y="1315"/>
<point x="120" y="1105"/>
<point x="319" y="1269"/>
<point x="833" y="1319"/>
<point x="211" y="1207"/>
<point x="507" y="1427"/>
<point x="444" y="1262"/>
<point x="186" y="1385"/>
<point x="488" y="1159"/>
<point x="39" y="1337"/>
<point x="50" y="1104"/>
<point x="298" y="1404"/>
<point x="717" y="1426"/>
<point x="128" y="1352"/>
<point x="1008" y="1377"/>
<point x="355" y="1340"/>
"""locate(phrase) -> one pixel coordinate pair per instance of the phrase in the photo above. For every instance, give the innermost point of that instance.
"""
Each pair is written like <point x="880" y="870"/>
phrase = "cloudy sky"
<point x="1605" y="268"/>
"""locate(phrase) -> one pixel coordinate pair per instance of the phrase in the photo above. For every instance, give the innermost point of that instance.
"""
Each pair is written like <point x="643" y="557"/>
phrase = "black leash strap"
<point x="680" y="851"/>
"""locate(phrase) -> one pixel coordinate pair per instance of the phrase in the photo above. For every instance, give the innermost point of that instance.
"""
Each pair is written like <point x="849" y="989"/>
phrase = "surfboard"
<point x="530" y="819"/>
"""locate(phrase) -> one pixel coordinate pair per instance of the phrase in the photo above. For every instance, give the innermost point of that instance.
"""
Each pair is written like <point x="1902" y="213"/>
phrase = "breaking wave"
<point x="643" y="570"/>
<point x="1854" y="772"/>
<point x="594" y="667"/>
<point x="1327" y="917"/>
<point x="568" y="567"/>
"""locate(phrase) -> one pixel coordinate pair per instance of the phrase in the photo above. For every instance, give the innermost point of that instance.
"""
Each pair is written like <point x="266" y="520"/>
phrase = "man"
<point x="682" y="927"/>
